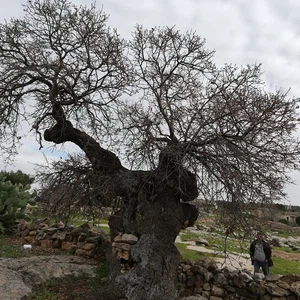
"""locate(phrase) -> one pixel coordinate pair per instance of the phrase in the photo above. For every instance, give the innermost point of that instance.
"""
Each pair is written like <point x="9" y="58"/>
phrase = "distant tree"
<point x="280" y="206"/>
<point x="297" y="220"/>
<point x="189" y="129"/>
<point x="18" y="177"/>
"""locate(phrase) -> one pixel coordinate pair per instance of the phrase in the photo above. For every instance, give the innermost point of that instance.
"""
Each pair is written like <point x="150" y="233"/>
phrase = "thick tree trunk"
<point x="154" y="258"/>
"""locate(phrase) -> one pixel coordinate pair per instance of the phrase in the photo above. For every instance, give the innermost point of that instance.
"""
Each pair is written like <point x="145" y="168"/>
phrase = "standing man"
<point x="260" y="253"/>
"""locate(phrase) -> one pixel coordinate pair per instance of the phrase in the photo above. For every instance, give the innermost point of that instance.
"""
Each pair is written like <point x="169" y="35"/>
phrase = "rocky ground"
<point x="50" y="274"/>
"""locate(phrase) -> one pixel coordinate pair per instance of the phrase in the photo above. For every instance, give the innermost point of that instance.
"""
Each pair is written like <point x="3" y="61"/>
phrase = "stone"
<point x="61" y="235"/>
<point x="186" y="268"/>
<point x="198" y="297"/>
<point x="238" y="281"/>
<point x="258" y="276"/>
<point x="80" y="252"/>
<point x="199" y="281"/>
<point x="17" y="276"/>
<point x="88" y="246"/>
<point x="246" y="277"/>
<point x="283" y="285"/>
<point x="208" y="276"/>
<point x="206" y="286"/>
<point x="181" y="277"/>
<point x="66" y="245"/>
<point x="118" y="238"/>
<point x="129" y="238"/>
<point x="295" y="287"/>
<point x="57" y="244"/>
<point x="201" y="241"/>
<point x="123" y="255"/>
<point x="122" y="246"/>
<point x="275" y="290"/>
<point x="29" y="239"/>
<point x="198" y="290"/>
<point x="52" y="229"/>
<point x="217" y="291"/>
<point x="60" y="225"/>
<point x="215" y="298"/>
<point x="46" y="243"/>
<point x="272" y="277"/>
<point x="190" y="281"/>
<point x="220" y="279"/>
<point x="94" y="239"/>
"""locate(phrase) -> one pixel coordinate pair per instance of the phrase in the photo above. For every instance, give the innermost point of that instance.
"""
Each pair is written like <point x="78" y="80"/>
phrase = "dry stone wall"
<point x="201" y="280"/>
<point x="206" y="281"/>
<point x="82" y="240"/>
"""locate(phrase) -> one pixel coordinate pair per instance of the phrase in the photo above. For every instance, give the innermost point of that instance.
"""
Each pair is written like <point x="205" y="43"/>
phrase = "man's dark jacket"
<point x="267" y="250"/>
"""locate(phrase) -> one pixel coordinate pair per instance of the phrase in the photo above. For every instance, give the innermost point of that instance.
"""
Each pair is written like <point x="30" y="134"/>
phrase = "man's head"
<point x="259" y="236"/>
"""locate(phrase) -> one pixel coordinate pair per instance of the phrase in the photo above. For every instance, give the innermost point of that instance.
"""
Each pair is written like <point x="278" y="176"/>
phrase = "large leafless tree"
<point x="159" y="123"/>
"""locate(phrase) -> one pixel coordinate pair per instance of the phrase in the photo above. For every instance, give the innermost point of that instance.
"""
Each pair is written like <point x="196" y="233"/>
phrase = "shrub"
<point x="13" y="201"/>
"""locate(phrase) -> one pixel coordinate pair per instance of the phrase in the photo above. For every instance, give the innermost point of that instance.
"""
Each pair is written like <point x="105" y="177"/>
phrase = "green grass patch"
<point x="284" y="249"/>
<point x="43" y="292"/>
<point x="188" y="236"/>
<point x="188" y="254"/>
<point x="103" y="270"/>
<point x="105" y="229"/>
<point x="285" y="267"/>
<point x="13" y="251"/>
<point x="103" y="221"/>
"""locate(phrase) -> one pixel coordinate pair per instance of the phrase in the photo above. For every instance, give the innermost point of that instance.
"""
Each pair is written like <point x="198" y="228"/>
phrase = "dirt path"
<point x="231" y="261"/>
<point x="286" y="255"/>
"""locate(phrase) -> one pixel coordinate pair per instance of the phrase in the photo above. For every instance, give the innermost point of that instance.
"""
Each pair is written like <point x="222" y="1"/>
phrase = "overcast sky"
<point x="241" y="32"/>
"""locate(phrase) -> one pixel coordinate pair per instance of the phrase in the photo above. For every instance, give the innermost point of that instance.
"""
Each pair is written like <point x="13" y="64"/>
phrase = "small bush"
<point x="14" y="199"/>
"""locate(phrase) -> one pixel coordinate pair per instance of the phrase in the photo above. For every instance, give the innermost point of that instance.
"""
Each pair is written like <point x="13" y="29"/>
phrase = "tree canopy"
<point x="158" y="121"/>
<point x="218" y="121"/>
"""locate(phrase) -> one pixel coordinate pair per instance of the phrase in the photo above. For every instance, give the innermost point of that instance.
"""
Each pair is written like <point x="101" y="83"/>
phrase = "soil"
<point x="286" y="255"/>
<point x="70" y="288"/>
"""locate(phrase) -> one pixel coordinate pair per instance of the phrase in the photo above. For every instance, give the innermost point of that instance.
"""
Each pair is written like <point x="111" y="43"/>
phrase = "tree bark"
<point x="153" y="208"/>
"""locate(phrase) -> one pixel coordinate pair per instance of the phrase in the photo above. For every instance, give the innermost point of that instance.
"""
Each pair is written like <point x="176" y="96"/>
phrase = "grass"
<point x="216" y="242"/>
<point x="189" y="236"/>
<point x="44" y="292"/>
<point x="188" y="254"/>
<point x="285" y="267"/>
<point x="105" y="229"/>
<point x="75" y="286"/>
<point x="7" y="250"/>
<point x="286" y="235"/>
<point x="102" y="271"/>
<point x="281" y="266"/>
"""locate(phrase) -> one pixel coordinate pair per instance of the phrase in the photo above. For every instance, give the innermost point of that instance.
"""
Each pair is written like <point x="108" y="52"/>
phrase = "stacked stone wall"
<point x="81" y="240"/>
<point x="204" y="280"/>
<point x="201" y="280"/>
